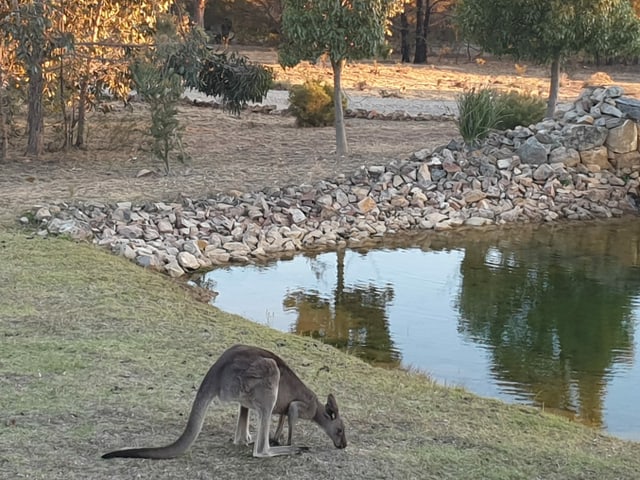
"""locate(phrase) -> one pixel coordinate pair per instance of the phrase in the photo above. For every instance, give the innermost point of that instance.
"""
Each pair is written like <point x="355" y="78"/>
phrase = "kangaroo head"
<point x="332" y="423"/>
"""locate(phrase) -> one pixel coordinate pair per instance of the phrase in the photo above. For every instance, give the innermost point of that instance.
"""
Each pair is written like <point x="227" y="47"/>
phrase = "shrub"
<point x="519" y="109"/>
<point x="312" y="104"/>
<point x="484" y="110"/>
<point x="478" y="114"/>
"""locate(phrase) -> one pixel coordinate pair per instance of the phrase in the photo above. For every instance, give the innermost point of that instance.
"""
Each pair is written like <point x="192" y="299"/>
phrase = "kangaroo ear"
<point x="332" y="406"/>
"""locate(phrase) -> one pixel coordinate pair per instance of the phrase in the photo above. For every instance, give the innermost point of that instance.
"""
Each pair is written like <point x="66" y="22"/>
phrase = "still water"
<point x="538" y="315"/>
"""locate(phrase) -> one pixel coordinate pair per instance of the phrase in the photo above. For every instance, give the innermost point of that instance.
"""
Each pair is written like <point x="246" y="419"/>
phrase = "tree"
<point x="27" y="27"/>
<point x="341" y="29"/>
<point x="547" y="31"/>
<point x="100" y="59"/>
<point x="424" y="11"/>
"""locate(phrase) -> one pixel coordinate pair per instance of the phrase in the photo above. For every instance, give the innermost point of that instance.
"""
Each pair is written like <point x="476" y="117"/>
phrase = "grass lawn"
<point x="98" y="354"/>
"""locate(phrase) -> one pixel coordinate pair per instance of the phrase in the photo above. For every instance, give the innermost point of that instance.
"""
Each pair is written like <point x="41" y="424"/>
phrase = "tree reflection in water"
<point x="555" y="325"/>
<point x="354" y="320"/>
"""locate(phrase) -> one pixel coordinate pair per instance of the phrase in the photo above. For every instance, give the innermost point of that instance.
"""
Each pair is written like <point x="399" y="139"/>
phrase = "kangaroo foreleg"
<point x="242" y="436"/>
<point x="276" y="439"/>
<point x="292" y="414"/>
<point x="262" y="447"/>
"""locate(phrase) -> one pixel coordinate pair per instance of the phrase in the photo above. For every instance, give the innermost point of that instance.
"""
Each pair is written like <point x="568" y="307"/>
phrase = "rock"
<point x="75" y="229"/>
<point x="567" y="156"/>
<point x="532" y="152"/>
<point x="543" y="172"/>
<point x="424" y="173"/>
<point x="164" y="226"/>
<point x="236" y="248"/>
<point x="188" y="261"/>
<point x="505" y="163"/>
<point x="597" y="156"/>
<point x="130" y="231"/>
<point x="422" y="155"/>
<point x="148" y="261"/>
<point x="436" y="217"/>
<point x="367" y="205"/>
<point x="630" y="106"/>
<point x="474" y="196"/>
<point x="43" y="213"/>
<point x="623" y="139"/>
<point x="607" y="109"/>
<point x="477" y="221"/>
<point x="614" y="91"/>
<point x="626" y="160"/>
<point x="297" y="215"/>
<point x="584" y="137"/>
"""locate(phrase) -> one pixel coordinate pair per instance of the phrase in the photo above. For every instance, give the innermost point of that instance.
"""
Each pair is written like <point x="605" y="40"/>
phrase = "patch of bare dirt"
<point x="245" y="153"/>
<point x="449" y="76"/>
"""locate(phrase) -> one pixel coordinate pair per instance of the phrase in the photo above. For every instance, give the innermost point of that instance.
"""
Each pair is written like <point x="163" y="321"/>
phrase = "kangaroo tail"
<point x="205" y="394"/>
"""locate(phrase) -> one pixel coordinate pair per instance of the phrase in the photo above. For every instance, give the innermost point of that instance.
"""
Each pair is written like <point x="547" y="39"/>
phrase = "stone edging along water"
<point x="583" y="164"/>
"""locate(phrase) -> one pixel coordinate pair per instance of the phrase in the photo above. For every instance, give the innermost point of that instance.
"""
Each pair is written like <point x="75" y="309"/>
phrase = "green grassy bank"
<point x="97" y="354"/>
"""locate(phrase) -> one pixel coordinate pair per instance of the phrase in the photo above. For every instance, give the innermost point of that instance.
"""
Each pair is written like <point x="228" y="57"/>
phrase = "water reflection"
<point x="541" y="315"/>
<point x="354" y="319"/>
<point x="555" y="327"/>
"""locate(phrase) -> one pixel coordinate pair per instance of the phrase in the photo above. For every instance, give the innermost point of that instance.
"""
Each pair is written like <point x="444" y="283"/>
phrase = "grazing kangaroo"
<point x="260" y="380"/>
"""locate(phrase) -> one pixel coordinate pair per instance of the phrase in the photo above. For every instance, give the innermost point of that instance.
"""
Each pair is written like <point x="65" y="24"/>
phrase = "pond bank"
<point x="583" y="164"/>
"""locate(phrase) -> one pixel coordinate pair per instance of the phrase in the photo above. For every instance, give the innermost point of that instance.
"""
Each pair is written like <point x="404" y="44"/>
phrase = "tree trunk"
<point x="425" y="29"/>
<point x="420" y="52"/>
<point x="554" y="87"/>
<point x="198" y="12"/>
<point x="404" y="38"/>
<point x="35" y="113"/>
<point x="82" y="107"/>
<point x="341" y="135"/>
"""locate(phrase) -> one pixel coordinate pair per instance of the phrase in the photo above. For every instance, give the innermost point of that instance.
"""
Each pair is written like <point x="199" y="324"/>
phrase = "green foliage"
<point x="312" y="104"/>
<point x="345" y="30"/>
<point x="478" y="114"/>
<point x="550" y="30"/>
<point x="234" y="78"/>
<point x="518" y="109"/>
<point x="342" y="29"/>
<point x="161" y="86"/>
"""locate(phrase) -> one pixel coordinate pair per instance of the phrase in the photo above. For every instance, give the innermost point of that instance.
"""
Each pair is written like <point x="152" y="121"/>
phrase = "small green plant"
<point x="161" y="87"/>
<point x="479" y="113"/>
<point x="312" y="104"/>
<point x="519" y="109"/>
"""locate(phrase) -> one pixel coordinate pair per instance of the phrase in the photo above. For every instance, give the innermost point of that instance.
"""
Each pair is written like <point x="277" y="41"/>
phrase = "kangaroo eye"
<point x="339" y="431"/>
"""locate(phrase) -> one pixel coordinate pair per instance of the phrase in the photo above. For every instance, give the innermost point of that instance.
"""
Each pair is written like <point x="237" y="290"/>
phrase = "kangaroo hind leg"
<point x="263" y="398"/>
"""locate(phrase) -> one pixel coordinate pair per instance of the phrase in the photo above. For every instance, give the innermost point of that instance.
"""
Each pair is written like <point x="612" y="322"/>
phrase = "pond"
<point x="542" y="315"/>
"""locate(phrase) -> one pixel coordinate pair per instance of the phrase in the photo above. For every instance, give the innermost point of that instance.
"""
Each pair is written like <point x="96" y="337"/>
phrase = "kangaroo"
<point x="260" y="380"/>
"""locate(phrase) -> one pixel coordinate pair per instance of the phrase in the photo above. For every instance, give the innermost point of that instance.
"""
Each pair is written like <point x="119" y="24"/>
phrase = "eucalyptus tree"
<point x="548" y="31"/>
<point x="26" y="28"/>
<point x="341" y="29"/>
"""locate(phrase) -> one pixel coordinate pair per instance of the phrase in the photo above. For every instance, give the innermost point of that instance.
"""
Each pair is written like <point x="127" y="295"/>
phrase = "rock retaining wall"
<point x="582" y="164"/>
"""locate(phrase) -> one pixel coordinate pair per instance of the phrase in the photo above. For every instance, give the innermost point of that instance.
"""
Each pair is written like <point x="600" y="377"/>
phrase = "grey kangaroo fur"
<point x="259" y="380"/>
